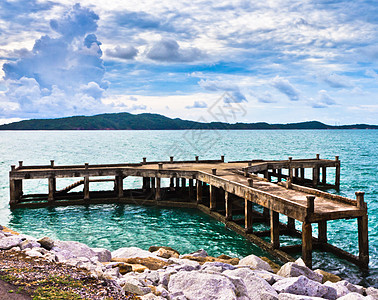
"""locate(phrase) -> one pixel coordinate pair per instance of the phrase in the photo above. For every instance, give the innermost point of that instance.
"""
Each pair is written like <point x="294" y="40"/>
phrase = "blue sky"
<point x="277" y="61"/>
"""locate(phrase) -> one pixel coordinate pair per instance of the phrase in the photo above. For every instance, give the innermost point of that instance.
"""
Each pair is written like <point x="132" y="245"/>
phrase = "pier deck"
<point x="258" y="190"/>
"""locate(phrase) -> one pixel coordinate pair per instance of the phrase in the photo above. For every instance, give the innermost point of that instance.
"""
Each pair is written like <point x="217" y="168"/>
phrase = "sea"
<point x="113" y="226"/>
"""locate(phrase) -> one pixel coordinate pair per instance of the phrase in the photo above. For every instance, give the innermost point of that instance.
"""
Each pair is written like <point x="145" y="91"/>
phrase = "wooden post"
<point x="52" y="188"/>
<point x="315" y="176"/>
<point x="274" y="229"/>
<point x="214" y="171"/>
<point x="144" y="160"/>
<point x="213" y="197"/>
<point x="250" y="182"/>
<point x="266" y="174"/>
<point x="324" y="175"/>
<point x="310" y="204"/>
<point x="177" y="183"/>
<point x="363" y="239"/>
<point x="190" y="189"/>
<point x="20" y="163"/>
<point x="86" y="187"/>
<point x="119" y="185"/>
<point x="248" y="217"/>
<point x="199" y="191"/>
<point x="302" y="173"/>
<point x="337" y="175"/>
<point x="157" y="190"/>
<point x="290" y="224"/>
<point x="183" y="184"/>
<point x="197" y="159"/>
<point x="322" y="232"/>
<point x="172" y="182"/>
<point x="153" y="189"/>
<point x="290" y="169"/>
<point x="317" y="156"/>
<point x="15" y="189"/>
<point x="307" y="243"/>
<point x="279" y="171"/>
<point x="228" y="204"/>
<point x="222" y="158"/>
<point x="52" y="163"/>
<point x="296" y="172"/>
<point x="160" y="166"/>
<point x="171" y="159"/>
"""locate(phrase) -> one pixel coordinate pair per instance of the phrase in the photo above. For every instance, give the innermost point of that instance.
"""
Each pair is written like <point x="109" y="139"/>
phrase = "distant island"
<point x="147" y="121"/>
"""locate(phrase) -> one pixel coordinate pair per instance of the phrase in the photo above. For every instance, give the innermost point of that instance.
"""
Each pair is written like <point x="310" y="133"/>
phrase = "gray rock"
<point x="184" y="267"/>
<point x="255" y="262"/>
<point x="164" y="277"/>
<point x="131" y="252"/>
<point x="161" y="290"/>
<point x="9" y="242"/>
<point x="151" y="296"/>
<point x="370" y="291"/>
<point x="286" y="296"/>
<point x="2" y="234"/>
<point x="269" y="277"/>
<point x="354" y="296"/>
<point x="303" y="286"/>
<point x="33" y="253"/>
<point x="217" y="267"/>
<point x="134" y="286"/>
<point x="29" y="244"/>
<point x="150" y="277"/>
<point x="257" y="288"/>
<point x="177" y="296"/>
<point x="354" y="288"/>
<point x="198" y="253"/>
<point x="104" y="255"/>
<point x="291" y="269"/>
<point x="62" y="255"/>
<point x="341" y="289"/>
<point x="187" y="262"/>
<point x="202" y="286"/>
<point x="75" y="249"/>
<point x="46" y="242"/>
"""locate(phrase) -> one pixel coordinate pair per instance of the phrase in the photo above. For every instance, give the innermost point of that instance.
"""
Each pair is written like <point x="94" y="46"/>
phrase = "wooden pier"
<point x="239" y="193"/>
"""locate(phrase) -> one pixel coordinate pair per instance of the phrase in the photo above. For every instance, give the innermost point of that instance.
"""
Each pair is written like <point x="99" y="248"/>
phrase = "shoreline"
<point x="163" y="273"/>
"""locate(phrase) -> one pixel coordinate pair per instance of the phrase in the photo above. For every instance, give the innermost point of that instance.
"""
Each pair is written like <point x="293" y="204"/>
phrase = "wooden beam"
<point x="228" y="205"/>
<point x="248" y="216"/>
<point x="158" y="189"/>
<point x="290" y="224"/>
<point x="302" y="173"/>
<point x="315" y="176"/>
<point x="213" y="197"/>
<point x="324" y="175"/>
<point x="337" y="175"/>
<point x="363" y="239"/>
<point x="274" y="229"/>
<point x="307" y="243"/>
<point x="190" y="189"/>
<point x="86" y="187"/>
<point x="199" y="191"/>
<point x="119" y="185"/>
<point x="322" y="232"/>
<point x="52" y="188"/>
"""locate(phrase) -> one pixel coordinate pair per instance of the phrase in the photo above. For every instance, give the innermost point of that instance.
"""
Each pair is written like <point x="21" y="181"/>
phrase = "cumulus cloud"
<point x="265" y="98"/>
<point x="61" y="75"/>
<point x="223" y="86"/>
<point x="168" y="50"/>
<point x="197" y="104"/>
<point x="337" y="81"/>
<point x="128" y="52"/>
<point x="323" y="100"/>
<point x="285" y="87"/>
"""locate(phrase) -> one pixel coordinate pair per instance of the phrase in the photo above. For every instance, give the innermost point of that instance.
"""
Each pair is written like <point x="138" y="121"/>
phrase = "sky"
<point x="275" y="61"/>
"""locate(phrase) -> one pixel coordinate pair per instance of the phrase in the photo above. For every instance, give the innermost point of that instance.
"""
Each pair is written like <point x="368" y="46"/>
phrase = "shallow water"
<point x="114" y="226"/>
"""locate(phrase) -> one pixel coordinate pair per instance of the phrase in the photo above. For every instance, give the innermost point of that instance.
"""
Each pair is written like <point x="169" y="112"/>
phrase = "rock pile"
<point x="162" y="273"/>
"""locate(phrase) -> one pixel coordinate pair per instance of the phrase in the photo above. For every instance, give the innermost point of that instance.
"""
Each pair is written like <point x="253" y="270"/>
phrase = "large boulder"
<point x="29" y="244"/>
<point x="292" y="269"/>
<point x="370" y="291"/>
<point x="286" y="296"/>
<point x="328" y="276"/>
<point x="255" y="262"/>
<point x="355" y="296"/>
<point x="164" y="253"/>
<point x="150" y="262"/>
<point x="46" y="243"/>
<point x="202" y="286"/>
<point x="341" y="289"/>
<point x="257" y="288"/>
<point x="269" y="277"/>
<point x="73" y="249"/>
<point x="303" y="286"/>
<point x="103" y="255"/>
<point x="216" y="267"/>
<point x="156" y="248"/>
<point x="130" y="252"/>
<point x="9" y="242"/>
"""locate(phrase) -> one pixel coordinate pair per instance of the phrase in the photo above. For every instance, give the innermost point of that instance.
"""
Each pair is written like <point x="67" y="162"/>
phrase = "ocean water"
<point x="115" y="226"/>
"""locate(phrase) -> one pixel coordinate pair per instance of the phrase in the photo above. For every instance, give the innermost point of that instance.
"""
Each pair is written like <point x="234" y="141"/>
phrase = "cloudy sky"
<point x="277" y="61"/>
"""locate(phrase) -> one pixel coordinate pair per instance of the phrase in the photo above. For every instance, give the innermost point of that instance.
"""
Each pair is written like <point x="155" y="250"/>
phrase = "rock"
<point x="1" y="227"/>
<point x="255" y="262"/>
<point x="103" y="254"/>
<point x="269" y="277"/>
<point x="29" y="244"/>
<point x="46" y="242"/>
<point x="150" y="262"/>
<point x="33" y="253"/>
<point x="328" y="276"/>
<point x="354" y="288"/>
<point x="202" y="286"/>
<point x="257" y="288"/>
<point x="156" y="248"/>
<point x="9" y="242"/>
<point x="286" y="296"/>
<point x="134" y="286"/>
<point x="150" y="277"/>
<point x="138" y="268"/>
<point x="291" y="269"/>
<point x="62" y="255"/>
<point x="112" y="273"/>
<point x="17" y="248"/>
<point x="75" y="249"/>
<point x="217" y="266"/>
<point x="151" y="296"/>
<point x="123" y="267"/>
<point x="202" y="260"/>
<point x="275" y="267"/>
<point x="186" y="262"/>
<point x="164" y="253"/>
<point x="161" y="291"/>
<point x="303" y="286"/>
<point x="354" y="296"/>
<point x="198" y="253"/>
<point x="341" y="289"/>
<point x="223" y="256"/>
<point x="2" y="234"/>
<point x="370" y="291"/>
<point x="131" y="252"/>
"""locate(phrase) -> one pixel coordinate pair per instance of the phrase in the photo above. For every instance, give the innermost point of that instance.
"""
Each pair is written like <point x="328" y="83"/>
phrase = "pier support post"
<point x="337" y="175"/>
<point x="302" y="173"/>
<point x="190" y="189"/>
<point x="213" y="197"/>
<point x="86" y="187"/>
<point x="177" y="184"/>
<point x="274" y="229"/>
<point x="119" y="185"/>
<point x="290" y="224"/>
<point x="324" y="175"/>
<point x="146" y="184"/>
<point x="279" y="171"/>
<point x="183" y="184"/>
<point x="228" y="206"/>
<point x="158" y="190"/>
<point x="15" y="188"/>
<point x="363" y="241"/>
<point x="307" y="243"/>
<point x="296" y="172"/>
<point x="153" y="189"/>
<point x="315" y="176"/>
<point x="322" y="232"/>
<point x="52" y="188"/>
<point x="172" y="183"/>
<point x="248" y="216"/>
<point x="199" y="191"/>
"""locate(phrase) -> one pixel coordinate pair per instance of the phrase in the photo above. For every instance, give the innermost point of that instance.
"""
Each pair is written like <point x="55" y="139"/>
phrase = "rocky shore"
<point x="164" y="273"/>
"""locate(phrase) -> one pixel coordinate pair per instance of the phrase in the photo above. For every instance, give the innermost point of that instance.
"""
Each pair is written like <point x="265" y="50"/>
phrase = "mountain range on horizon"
<point x="148" y="121"/>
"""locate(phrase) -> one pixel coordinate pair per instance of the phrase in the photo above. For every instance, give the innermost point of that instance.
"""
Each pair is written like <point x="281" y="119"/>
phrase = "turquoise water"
<point x="114" y="226"/>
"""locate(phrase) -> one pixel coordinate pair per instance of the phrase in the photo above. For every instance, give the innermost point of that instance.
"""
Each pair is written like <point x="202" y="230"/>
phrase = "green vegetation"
<point x="146" y="121"/>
